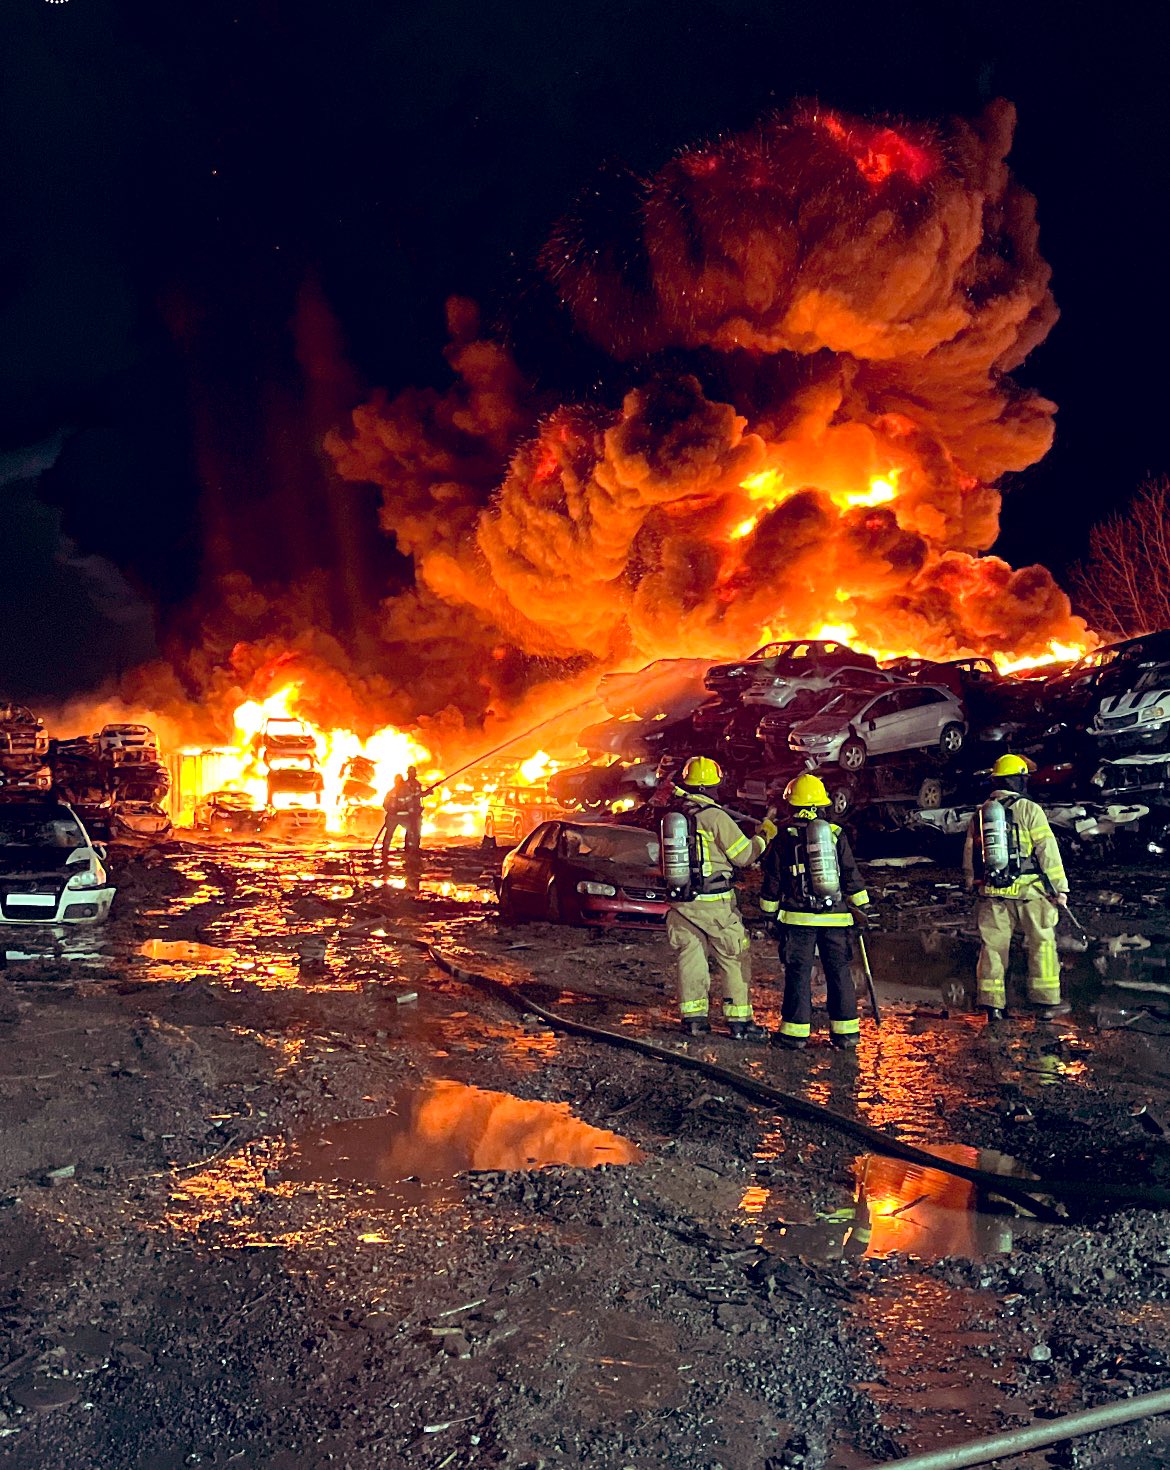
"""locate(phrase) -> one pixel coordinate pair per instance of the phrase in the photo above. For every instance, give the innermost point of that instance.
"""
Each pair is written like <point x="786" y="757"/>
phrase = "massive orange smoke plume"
<point x="820" y="318"/>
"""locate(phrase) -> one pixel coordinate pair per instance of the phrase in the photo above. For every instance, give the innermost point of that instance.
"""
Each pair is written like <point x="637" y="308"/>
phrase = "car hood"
<point x="820" y="725"/>
<point x="621" y="875"/>
<point x="1119" y="705"/>
<point x="30" y="862"/>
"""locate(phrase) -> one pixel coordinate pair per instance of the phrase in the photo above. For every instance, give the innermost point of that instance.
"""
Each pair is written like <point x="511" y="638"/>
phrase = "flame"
<point x="1056" y="653"/>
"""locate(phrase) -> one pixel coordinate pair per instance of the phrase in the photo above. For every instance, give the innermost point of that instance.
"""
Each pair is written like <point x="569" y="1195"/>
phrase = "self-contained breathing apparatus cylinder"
<point x="674" y="846"/>
<point x="995" y="845"/>
<point x="820" y="855"/>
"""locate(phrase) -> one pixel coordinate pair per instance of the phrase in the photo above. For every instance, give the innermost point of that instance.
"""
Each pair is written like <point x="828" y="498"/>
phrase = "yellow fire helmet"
<point x="806" y="790"/>
<point x="1012" y="765"/>
<point x="701" y="770"/>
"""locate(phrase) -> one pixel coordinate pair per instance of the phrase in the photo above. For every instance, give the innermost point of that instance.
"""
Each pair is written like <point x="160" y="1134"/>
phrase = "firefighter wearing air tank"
<point x="811" y="887"/>
<point x="1013" y="861"/>
<point x="701" y="847"/>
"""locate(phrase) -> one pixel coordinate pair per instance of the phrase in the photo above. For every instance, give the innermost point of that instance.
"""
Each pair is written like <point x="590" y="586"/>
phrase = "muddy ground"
<point x="207" y="1259"/>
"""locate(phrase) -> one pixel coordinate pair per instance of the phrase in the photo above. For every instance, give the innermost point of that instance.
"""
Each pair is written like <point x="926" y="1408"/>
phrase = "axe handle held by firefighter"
<point x="862" y="925"/>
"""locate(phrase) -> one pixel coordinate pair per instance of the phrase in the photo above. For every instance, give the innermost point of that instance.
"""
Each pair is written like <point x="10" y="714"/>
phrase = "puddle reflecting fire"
<point x="902" y="1208"/>
<point x="270" y="1193"/>
<point x="446" y="1128"/>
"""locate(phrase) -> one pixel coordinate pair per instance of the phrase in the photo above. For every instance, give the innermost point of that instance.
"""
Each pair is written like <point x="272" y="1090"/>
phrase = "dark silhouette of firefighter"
<point x="410" y="810"/>
<point x="702" y="845"/>
<point x="392" y="806"/>
<point x="811" y="887"/>
<point x="1013" y="861"/>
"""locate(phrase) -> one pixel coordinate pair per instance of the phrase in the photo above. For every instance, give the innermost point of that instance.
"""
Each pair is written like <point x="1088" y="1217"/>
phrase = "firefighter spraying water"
<point x="701" y="846"/>
<point x="1012" y="860"/>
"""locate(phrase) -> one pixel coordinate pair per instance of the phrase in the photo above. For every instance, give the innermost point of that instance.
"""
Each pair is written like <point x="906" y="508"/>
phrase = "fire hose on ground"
<point x="876" y="1141"/>
<point x="950" y="1457"/>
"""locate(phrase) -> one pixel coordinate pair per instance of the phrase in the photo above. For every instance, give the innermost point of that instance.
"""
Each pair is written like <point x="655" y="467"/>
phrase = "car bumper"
<point x="1133" y="741"/>
<point x="820" y="753"/>
<point x="626" y="913"/>
<point x="81" y="906"/>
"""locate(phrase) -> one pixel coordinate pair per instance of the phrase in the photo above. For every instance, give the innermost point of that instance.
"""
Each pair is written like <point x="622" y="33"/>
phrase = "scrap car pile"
<point x="115" y="780"/>
<point x="901" y="744"/>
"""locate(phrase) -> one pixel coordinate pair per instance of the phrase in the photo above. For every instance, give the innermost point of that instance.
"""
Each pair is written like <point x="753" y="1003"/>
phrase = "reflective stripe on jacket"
<point x="1039" y="851"/>
<point x="784" y="897"/>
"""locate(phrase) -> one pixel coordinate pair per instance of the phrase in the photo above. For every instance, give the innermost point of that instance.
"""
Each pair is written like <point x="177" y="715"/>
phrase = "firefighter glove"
<point x="767" y="829"/>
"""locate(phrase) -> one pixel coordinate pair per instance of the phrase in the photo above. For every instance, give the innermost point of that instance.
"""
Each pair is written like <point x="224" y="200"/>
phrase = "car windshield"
<point x="26" y="825"/>
<point x="847" y="702"/>
<point x="1156" y="678"/>
<point x="627" y="846"/>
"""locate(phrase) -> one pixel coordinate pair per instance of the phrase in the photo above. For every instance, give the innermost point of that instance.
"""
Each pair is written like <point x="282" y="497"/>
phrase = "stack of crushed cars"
<point x="24" y="751"/>
<point x="116" y="782"/>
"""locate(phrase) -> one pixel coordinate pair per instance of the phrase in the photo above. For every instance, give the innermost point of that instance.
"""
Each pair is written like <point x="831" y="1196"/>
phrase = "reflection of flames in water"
<point x="444" y="1129"/>
<point x="928" y="1213"/>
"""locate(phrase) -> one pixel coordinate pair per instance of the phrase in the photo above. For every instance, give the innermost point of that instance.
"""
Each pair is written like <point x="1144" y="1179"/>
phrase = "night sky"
<point x="225" y="223"/>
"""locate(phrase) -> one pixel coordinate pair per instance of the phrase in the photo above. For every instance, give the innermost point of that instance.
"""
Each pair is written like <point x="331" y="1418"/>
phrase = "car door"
<point x="529" y="867"/>
<point x="923" y="714"/>
<point x="878" y="725"/>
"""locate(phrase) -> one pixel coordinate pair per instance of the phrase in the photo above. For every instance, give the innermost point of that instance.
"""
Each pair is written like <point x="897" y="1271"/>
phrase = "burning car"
<point x="592" y="787"/>
<point x="793" y="659"/>
<point x="779" y="690"/>
<point x="857" y="724"/>
<point x="597" y="874"/>
<point x="227" y="811"/>
<point x="128" y="744"/>
<point x="50" y="870"/>
<point x="140" y="824"/>
<point x="284" y="739"/>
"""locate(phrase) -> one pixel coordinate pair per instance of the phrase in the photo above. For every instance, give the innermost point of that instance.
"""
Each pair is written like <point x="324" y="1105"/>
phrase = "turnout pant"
<point x="388" y="837"/>
<point x="799" y="943"/>
<point x="412" y="834"/>
<point x="997" y="919"/>
<point x="709" y="932"/>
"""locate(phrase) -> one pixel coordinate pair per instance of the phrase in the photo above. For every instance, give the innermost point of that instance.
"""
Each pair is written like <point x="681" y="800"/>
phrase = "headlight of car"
<point x="598" y="890"/>
<point x="92" y="876"/>
<point x="1158" y="712"/>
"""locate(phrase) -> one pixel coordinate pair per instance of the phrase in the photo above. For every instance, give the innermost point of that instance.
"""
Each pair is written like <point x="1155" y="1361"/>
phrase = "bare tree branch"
<point x="1123" y="585"/>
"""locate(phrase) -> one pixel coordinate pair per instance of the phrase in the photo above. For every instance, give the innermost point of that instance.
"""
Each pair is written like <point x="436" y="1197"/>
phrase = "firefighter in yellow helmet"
<point x="811" y="886"/>
<point x="705" y="928"/>
<point x="1013" y="861"/>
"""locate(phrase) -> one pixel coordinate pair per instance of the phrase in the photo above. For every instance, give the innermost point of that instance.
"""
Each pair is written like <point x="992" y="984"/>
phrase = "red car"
<point x="587" y="873"/>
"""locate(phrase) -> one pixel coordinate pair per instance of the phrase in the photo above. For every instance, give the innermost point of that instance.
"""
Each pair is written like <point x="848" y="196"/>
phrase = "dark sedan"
<point x="593" y="874"/>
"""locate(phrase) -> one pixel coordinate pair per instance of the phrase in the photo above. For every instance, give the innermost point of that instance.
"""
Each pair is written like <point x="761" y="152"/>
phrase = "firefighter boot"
<point x="1050" y="1013"/>
<point x="746" y="1031"/>
<point x="696" y="1025"/>
<point x="993" y="1013"/>
<point x="845" y="1042"/>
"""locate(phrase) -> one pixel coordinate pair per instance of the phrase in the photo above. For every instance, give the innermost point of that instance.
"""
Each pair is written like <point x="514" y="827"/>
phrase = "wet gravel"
<point x="175" y="1289"/>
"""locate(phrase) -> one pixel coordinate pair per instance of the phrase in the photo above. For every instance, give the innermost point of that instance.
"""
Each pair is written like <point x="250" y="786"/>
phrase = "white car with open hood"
<point x="50" y="870"/>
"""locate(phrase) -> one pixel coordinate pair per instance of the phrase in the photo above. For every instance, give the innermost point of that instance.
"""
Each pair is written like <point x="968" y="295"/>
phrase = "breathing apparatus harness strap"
<point x="703" y="883"/>
<point x="1019" y="866"/>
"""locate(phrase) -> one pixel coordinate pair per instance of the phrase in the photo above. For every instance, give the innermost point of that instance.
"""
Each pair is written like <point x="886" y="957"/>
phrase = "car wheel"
<point x="839" y="799"/>
<point x="553" y="909"/>
<point x="852" y="755"/>
<point x="950" y="740"/>
<point x="930" y="795"/>
<point x="508" y="912"/>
